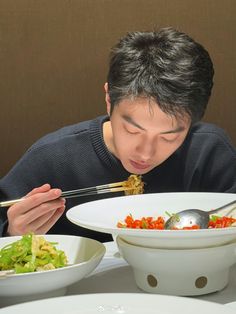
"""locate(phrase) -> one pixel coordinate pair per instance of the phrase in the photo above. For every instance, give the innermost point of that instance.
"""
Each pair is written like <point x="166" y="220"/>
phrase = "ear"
<point x="107" y="99"/>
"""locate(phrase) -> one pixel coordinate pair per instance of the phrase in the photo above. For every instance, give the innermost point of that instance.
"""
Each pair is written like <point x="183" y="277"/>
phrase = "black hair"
<point x="167" y="66"/>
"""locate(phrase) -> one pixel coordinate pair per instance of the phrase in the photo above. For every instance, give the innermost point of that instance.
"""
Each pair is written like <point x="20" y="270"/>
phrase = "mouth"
<point x="140" y="166"/>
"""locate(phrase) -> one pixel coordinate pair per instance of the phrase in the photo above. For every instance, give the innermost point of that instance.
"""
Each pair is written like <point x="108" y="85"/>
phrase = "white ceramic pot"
<point x="183" y="272"/>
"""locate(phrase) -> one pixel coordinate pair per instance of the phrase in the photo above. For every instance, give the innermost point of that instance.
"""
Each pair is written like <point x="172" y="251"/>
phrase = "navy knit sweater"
<point x="76" y="157"/>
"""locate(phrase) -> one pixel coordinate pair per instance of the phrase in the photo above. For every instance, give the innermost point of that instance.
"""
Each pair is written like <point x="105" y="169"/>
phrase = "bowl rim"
<point x="99" y="254"/>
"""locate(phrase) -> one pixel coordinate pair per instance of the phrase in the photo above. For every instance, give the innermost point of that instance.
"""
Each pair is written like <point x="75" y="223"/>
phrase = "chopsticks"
<point x="99" y="189"/>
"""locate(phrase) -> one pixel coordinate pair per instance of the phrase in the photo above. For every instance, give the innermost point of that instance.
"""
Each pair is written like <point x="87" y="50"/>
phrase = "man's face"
<point x="142" y="136"/>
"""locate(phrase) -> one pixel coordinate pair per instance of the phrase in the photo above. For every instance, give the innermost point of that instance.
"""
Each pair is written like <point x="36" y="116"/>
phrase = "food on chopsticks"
<point x="135" y="184"/>
<point x="31" y="253"/>
<point x="159" y="223"/>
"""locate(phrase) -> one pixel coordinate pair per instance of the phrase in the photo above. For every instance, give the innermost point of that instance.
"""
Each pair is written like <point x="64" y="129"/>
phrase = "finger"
<point x="20" y="227"/>
<point x="47" y="225"/>
<point x="43" y="188"/>
<point x="46" y="208"/>
<point x="33" y="201"/>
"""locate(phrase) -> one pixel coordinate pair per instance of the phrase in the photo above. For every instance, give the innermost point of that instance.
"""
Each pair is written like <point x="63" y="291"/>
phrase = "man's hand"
<point x="37" y="213"/>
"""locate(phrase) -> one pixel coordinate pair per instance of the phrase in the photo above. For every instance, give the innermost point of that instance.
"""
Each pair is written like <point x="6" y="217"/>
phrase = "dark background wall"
<point x="54" y="53"/>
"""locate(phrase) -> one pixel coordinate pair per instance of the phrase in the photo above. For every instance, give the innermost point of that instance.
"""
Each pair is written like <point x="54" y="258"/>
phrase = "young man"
<point x="157" y="90"/>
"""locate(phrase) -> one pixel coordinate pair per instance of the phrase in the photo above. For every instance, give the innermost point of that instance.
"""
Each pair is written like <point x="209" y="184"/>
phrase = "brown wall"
<point x="53" y="59"/>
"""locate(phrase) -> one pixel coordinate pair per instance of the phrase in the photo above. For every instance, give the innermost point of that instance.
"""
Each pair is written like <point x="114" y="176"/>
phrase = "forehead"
<point x="147" y="109"/>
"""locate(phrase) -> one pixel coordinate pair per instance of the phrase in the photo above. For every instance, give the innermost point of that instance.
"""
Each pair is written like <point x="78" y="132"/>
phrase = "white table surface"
<point x="114" y="275"/>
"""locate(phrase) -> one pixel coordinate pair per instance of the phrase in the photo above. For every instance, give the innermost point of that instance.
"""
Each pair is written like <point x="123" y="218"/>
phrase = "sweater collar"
<point x="96" y="133"/>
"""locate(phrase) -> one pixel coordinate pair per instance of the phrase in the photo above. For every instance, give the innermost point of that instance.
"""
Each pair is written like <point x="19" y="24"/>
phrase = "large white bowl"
<point x="83" y="254"/>
<point x="118" y="303"/>
<point x="103" y="215"/>
<point x="178" y="272"/>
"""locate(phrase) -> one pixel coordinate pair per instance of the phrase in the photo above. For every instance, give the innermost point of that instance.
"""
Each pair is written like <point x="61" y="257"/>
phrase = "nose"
<point x="146" y="150"/>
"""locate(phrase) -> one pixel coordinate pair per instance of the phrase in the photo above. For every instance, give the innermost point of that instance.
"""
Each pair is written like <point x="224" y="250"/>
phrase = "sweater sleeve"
<point x="33" y="169"/>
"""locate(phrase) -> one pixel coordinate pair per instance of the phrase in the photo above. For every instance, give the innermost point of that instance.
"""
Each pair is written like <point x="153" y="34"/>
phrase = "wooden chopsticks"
<point x="99" y="189"/>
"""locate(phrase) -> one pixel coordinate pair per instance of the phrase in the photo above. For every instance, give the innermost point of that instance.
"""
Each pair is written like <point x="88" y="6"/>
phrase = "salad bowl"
<point x="83" y="256"/>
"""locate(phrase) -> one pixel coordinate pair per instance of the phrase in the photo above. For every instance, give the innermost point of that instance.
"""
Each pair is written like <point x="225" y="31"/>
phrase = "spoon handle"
<point x="222" y="207"/>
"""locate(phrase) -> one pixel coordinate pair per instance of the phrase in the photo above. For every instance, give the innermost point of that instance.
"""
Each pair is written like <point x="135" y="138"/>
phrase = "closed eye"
<point x="131" y="130"/>
<point x="169" y="139"/>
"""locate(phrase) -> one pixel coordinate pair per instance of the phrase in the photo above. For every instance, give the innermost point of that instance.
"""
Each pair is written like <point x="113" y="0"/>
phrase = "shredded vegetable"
<point x="31" y="253"/>
<point x="159" y="223"/>
<point x="135" y="182"/>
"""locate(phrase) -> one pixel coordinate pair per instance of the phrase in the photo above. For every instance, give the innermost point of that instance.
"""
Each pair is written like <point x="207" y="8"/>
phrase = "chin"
<point x="141" y="172"/>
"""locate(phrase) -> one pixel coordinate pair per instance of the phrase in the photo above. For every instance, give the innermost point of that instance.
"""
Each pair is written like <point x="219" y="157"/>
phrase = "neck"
<point x="108" y="137"/>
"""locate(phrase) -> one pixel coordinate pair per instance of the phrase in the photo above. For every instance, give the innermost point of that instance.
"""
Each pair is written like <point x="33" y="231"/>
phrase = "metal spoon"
<point x="190" y="217"/>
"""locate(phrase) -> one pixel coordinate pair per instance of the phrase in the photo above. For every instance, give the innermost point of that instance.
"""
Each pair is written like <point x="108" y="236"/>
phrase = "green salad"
<point x="30" y="254"/>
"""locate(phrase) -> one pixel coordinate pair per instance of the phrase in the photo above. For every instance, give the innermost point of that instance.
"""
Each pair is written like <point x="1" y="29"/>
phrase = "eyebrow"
<point x="177" y="130"/>
<point x="131" y="121"/>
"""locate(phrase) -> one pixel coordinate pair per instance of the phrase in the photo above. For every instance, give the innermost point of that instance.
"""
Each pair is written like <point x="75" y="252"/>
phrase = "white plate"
<point x="231" y="305"/>
<point x="103" y="215"/>
<point x="115" y="303"/>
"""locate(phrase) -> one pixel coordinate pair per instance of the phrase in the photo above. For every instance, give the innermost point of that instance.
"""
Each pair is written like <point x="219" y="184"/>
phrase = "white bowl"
<point x="84" y="254"/>
<point x="118" y="303"/>
<point x="178" y="272"/>
<point x="103" y="215"/>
